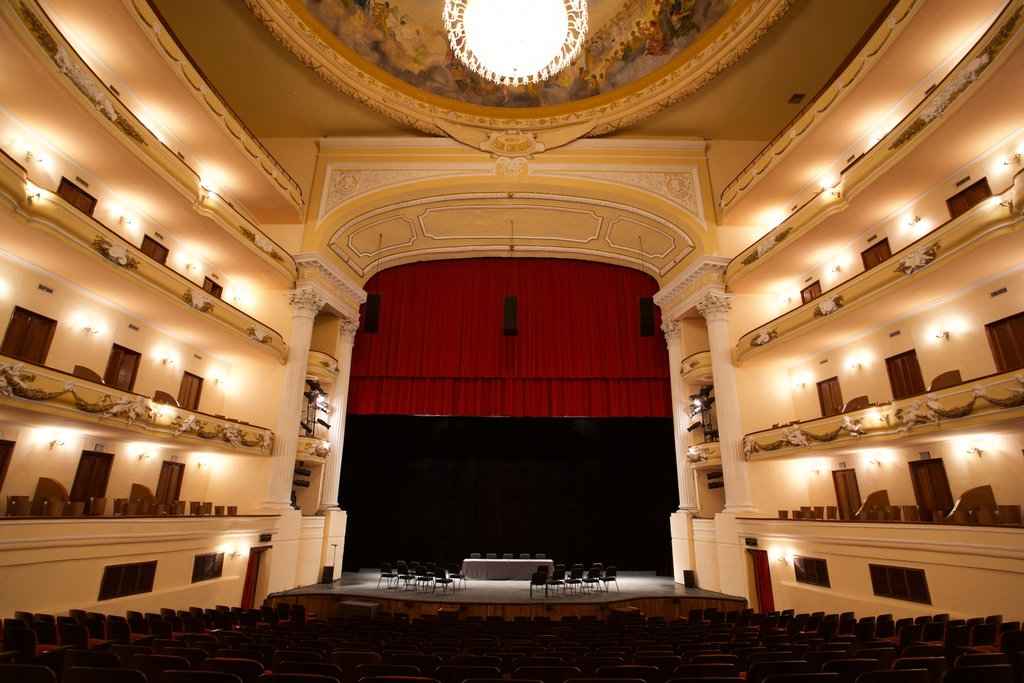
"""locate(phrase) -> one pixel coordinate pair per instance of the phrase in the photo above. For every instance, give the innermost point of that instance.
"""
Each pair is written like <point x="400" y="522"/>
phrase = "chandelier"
<point x="516" y="42"/>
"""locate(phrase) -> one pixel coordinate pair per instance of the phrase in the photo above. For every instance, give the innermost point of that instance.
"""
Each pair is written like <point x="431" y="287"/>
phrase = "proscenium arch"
<point x="598" y="226"/>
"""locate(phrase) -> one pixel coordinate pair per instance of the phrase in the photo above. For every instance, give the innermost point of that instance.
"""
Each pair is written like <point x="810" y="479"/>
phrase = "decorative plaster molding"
<point x="199" y="300"/>
<point x="918" y="258"/>
<point x="79" y="75"/>
<point x="680" y="187"/>
<point x="305" y="301"/>
<point x="344" y="183"/>
<point x="707" y="271"/>
<point x="828" y="306"/>
<point x="715" y="305"/>
<point x="348" y="328"/>
<point x="315" y="271"/>
<point x="671" y="329"/>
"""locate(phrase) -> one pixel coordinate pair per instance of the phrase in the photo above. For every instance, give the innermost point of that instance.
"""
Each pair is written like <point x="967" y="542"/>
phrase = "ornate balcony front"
<point x="996" y="398"/>
<point x="47" y="391"/>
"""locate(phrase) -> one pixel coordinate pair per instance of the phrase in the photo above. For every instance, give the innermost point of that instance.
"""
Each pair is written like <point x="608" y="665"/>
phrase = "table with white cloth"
<point x="503" y="570"/>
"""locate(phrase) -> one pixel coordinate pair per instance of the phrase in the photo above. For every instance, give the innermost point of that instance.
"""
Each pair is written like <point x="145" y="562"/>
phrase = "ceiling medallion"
<point x="516" y="43"/>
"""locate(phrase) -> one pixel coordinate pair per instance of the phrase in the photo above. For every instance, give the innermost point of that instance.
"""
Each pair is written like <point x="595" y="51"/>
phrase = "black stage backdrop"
<point x="578" y="489"/>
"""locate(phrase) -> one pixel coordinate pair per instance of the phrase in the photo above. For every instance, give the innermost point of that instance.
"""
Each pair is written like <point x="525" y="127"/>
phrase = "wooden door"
<point x="28" y="336"/>
<point x="875" y="254"/>
<point x="92" y="476"/>
<point x="168" y="487"/>
<point x="810" y="292"/>
<point x="6" y="451"/>
<point x="904" y="375"/>
<point x="847" y="492"/>
<point x="962" y="201"/>
<point x="1006" y="339"/>
<point x="190" y="390"/>
<point x="830" y="398"/>
<point x="122" y="367"/>
<point x="931" y="487"/>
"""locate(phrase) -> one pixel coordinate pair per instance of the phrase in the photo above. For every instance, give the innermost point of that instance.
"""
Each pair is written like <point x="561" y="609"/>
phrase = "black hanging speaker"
<point x="511" y="318"/>
<point x="371" y="313"/>
<point x="716" y="484"/>
<point x="646" y="316"/>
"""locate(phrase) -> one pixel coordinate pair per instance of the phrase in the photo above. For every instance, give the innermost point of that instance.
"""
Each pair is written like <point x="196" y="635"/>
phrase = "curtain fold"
<point x="440" y="347"/>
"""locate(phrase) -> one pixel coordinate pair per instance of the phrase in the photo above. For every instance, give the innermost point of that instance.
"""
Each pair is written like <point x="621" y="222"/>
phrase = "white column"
<point x="305" y="303"/>
<point x="339" y="407"/>
<point x="680" y="417"/>
<point x="715" y="306"/>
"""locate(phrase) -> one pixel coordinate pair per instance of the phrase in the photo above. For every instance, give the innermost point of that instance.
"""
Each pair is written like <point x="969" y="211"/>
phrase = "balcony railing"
<point x="52" y="392"/>
<point x="973" y="402"/>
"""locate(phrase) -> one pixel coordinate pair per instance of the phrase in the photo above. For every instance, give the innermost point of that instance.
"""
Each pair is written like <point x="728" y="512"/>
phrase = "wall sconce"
<point x="799" y="384"/>
<point x="33" y="193"/>
<point x="814" y="470"/>
<point x="56" y="443"/>
<point x="974" y="450"/>
<point x="145" y="455"/>
<point x="836" y="268"/>
<point x="32" y="155"/>
<point x="1013" y="159"/>
<point x="235" y="552"/>
<point x="875" y="461"/>
<point x="943" y="333"/>
<point x="90" y="329"/>
<point x="167" y="360"/>
<point x="202" y="462"/>
<point x="127" y="221"/>
<point x="855" y="365"/>
<point x="913" y="220"/>
<point x="190" y="266"/>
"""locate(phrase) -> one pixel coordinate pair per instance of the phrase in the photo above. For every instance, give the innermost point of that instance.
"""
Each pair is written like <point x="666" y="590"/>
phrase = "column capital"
<point x="715" y="305"/>
<point x="671" y="329"/>
<point x="348" y="328"/>
<point x="305" y="301"/>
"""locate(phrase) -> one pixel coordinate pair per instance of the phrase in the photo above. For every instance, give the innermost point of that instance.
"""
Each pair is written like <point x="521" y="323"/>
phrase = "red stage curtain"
<point x="440" y="347"/>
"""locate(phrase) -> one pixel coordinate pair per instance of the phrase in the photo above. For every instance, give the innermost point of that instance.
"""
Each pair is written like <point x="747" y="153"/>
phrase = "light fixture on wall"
<point x="975" y="450"/>
<point x="814" y="469"/>
<point x="33" y="193"/>
<point x="913" y="220"/>
<point x="145" y="455"/>
<point x="855" y="365"/>
<point x="127" y="221"/>
<point x="1010" y="161"/>
<point x="943" y="333"/>
<point x="516" y="43"/>
<point x="32" y="155"/>
<point x="56" y="443"/>
<point x="167" y="360"/>
<point x="202" y="462"/>
<point x="875" y="461"/>
<point x="90" y="329"/>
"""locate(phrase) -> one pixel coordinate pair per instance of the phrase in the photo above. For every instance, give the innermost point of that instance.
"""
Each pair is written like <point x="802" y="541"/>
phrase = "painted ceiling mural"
<point x="627" y="40"/>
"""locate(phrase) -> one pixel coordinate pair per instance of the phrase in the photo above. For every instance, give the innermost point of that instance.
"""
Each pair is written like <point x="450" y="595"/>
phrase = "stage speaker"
<point x="646" y="316"/>
<point x="371" y="313"/>
<point x="716" y="484"/>
<point x="511" y="318"/>
<point x="327" y="575"/>
<point x="689" y="578"/>
<point x="715" y="475"/>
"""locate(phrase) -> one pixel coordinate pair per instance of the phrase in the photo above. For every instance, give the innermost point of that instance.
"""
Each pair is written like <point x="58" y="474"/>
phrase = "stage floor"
<point x="631" y="586"/>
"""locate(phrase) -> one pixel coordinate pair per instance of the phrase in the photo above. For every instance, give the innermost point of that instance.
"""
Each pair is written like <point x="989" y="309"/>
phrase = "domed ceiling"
<point x="640" y="57"/>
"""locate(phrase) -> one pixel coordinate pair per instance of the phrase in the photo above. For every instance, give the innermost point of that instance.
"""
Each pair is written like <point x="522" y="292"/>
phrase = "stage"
<point x="640" y="592"/>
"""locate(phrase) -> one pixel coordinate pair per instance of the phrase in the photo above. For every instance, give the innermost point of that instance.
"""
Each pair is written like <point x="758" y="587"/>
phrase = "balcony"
<point x="981" y="401"/>
<point x="984" y="240"/>
<point x="51" y="392"/>
<point x="967" y="111"/>
<point x="115" y="268"/>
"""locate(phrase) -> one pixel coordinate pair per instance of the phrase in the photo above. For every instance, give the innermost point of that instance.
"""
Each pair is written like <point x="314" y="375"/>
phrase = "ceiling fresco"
<point x="627" y="41"/>
<point x="641" y="57"/>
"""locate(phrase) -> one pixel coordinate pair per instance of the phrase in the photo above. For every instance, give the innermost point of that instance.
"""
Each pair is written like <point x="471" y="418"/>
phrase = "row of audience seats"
<point x="283" y="643"/>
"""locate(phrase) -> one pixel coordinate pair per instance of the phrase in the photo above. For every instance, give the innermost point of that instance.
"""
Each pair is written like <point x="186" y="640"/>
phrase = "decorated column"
<point x="687" y="495"/>
<point x="339" y="407"/>
<point x="305" y="303"/>
<point x="714" y="306"/>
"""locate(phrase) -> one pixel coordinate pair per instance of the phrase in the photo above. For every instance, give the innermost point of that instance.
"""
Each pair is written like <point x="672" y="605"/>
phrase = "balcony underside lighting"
<point x="516" y="43"/>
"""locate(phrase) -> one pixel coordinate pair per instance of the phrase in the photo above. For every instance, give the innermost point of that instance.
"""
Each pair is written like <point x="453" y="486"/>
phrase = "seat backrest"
<point x="27" y="673"/>
<point x="91" y="674"/>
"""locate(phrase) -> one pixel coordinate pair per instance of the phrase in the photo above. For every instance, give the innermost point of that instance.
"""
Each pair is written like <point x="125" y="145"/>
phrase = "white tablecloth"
<point x="503" y="570"/>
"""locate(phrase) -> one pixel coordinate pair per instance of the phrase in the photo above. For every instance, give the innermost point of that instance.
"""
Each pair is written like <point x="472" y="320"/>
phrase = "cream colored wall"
<point x="988" y="560"/>
<point x="47" y="568"/>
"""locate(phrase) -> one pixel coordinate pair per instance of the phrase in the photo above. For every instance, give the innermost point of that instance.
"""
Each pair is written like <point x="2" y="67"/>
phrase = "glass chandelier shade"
<point x="516" y="42"/>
